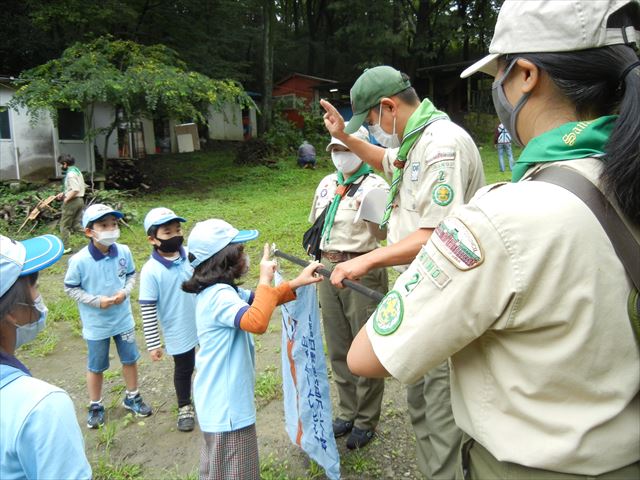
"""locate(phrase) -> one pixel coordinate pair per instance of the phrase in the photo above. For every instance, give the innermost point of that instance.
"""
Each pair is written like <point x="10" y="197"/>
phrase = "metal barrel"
<point x="358" y="287"/>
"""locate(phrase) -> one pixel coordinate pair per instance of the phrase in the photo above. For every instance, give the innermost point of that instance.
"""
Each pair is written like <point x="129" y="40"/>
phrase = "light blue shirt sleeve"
<point x="246" y="295"/>
<point x="148" y="285"/>
<point x="131" y="266"/>
<point x="51" y="446"/>
<point x="229" y="307"/>
<point x="73" y="277"/>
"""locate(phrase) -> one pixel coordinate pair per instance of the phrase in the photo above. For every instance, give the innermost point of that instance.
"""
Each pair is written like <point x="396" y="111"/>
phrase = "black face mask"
<point x="170" y="245"/>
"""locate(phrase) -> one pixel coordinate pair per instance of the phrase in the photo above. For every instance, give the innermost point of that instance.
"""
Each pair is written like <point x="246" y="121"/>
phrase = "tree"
<point x="140" y="80"/>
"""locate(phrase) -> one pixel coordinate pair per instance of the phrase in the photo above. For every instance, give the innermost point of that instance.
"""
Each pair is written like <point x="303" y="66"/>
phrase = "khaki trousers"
<point x="481" y="465"/>
<point x="344" y="313"/>
<point x="70" y="220"/>
<point x="437" y="436"/>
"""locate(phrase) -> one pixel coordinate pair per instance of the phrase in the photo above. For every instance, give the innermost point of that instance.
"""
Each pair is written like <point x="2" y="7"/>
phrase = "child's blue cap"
<point x="160" y="216"/>
<point x="209" y="237"/>
<point x="96" y="212"/>
<point x="18" y="259"/>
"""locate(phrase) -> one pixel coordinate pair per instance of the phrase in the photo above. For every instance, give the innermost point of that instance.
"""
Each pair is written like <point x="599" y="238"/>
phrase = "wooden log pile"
<point x="124" y="174"/>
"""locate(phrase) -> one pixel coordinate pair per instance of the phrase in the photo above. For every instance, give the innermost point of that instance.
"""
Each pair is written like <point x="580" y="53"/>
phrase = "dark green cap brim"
<point x="356" y="122"/>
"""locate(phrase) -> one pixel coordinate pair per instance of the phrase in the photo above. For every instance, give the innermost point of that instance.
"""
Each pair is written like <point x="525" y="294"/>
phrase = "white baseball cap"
<point x="18" y="259"/>
<point x="96" y="212"/>
<point x="160" y="216"/>
<point x="362" y="133"/>
<point x="210" y="236"/>
<point x="544" y="26"/>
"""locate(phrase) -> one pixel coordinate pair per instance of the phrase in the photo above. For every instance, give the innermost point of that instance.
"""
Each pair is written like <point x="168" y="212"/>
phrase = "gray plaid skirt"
<point x="230" y="455"/>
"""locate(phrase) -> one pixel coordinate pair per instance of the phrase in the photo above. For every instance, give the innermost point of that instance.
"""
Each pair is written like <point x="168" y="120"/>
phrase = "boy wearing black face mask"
<point x="161" y="298"/>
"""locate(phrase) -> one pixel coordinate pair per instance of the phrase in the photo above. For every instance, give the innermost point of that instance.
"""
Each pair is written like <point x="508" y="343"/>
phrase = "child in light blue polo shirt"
<point x="226" y="315"/>
<point x="100" y="278"/>
<point x="161" y="297"/>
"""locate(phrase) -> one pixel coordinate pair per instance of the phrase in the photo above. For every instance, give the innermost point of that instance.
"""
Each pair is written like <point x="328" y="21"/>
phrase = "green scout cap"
<point x="373" y="85"/>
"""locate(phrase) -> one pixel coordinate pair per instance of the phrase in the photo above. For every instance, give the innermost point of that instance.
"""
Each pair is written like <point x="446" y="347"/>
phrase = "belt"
<point x="337" y="257"/>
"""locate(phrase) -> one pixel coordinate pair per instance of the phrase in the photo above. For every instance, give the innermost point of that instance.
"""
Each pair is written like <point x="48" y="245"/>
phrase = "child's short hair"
<point x="66" y="158"/>
<point x="226" y="266"/>
<point x="153" y="230"/>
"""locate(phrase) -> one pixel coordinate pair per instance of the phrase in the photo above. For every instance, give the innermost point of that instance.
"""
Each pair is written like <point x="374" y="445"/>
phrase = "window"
<point x="70" y="124"/>
<point x="287" y="102"/>
<point x="5" y="131"/>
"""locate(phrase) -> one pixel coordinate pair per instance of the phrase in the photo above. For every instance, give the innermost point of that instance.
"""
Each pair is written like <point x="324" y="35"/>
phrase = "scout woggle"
<point x="358" y="287"/>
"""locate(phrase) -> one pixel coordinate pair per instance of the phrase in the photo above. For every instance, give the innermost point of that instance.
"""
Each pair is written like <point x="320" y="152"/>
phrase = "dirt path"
<point x="163" y="452"/>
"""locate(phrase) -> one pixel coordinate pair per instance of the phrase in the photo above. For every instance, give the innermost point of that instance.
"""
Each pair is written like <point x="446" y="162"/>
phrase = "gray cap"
<point x="542" y="26"/>
<point x="362" y="133"/>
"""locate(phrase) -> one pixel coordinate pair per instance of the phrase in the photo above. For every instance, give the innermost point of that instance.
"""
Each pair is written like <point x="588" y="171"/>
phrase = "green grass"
<point x="42" y="345"/>
<point x="103" y="469"/>
<point x="268" y="385"/>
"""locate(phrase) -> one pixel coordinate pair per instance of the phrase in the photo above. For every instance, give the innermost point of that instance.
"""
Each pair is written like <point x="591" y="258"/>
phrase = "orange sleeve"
<point x="285" y="294"/>
<point x="256" y="318"/>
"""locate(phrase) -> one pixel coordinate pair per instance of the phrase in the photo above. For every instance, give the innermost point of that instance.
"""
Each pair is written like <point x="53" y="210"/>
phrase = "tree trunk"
<point x="267" y="70"/>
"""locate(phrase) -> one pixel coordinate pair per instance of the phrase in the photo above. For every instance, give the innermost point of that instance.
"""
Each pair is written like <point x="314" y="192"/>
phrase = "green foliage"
<point x="284" y="137"/>
<point x="105" y="470"/>
<point x="268" y="385"/>
<point x="43" y="344"/>
<point x="142" y="80"/>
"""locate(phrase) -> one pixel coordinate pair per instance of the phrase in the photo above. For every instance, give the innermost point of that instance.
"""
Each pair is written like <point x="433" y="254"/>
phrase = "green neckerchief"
<point x="333" y="207"/>
<point x="570" y="141"/>
<point x="71" y="169"/>
<point x="424" y="115"/>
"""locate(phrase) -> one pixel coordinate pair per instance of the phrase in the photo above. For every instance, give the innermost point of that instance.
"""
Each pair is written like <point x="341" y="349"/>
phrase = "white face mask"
<point x="389" y="140"/>
<point x="345" y="162"/>
<point x="27" y="333"/>
<point x="107" y="237"/>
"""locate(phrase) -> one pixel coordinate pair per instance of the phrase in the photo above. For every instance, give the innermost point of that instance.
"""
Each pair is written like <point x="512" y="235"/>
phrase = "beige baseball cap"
<point x="543" y="26"/>
<point x="362" y="133"/>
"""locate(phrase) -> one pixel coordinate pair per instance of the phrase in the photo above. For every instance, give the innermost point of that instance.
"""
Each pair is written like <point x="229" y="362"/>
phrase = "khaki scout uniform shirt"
<point x="345" y="235"/>
<point x="523" y="290"/>
<point x="443" y="170"/>
<point x="74" y="181"/>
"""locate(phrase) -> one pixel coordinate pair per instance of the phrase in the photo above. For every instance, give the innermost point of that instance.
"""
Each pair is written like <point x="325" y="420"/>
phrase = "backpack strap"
<point x="626" y="247"/>
<point x="8" y="374"/>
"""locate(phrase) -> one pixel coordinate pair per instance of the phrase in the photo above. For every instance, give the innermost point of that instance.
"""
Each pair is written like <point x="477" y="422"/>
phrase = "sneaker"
<point x="341" y="427"/>
<point x="66" y="251"/>
<point x="96" y="416"/>
<point x="137" y="406"/>
<point x="186" y="418"/>
<point x="359" y="438"/>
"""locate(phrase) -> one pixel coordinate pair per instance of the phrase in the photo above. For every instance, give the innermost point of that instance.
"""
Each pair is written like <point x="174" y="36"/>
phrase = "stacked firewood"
<point x="124" y="174"/>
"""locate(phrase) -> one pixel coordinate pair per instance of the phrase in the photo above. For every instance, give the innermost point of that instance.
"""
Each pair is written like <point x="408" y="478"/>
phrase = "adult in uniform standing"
<point x="434" y="167"/>
<point x="345" y="311"/>
<point x="522" y="288"/>
<point x="72" y="198"/>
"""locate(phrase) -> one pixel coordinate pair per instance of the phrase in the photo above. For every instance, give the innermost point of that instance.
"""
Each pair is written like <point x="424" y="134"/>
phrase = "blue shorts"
<point x="98" y="351"/>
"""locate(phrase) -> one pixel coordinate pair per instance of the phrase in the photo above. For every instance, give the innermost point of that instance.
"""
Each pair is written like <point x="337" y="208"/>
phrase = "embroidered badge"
<point x="415" y="171"/>
<point x="413" y="282"/>
<point x="432" y="270"/>
<point x="323" y="193"/>
<point x="456" y="242"/>
<point x="388" y="316"/>
<point x="442" y="194"/>
<point x="441" y="155"/>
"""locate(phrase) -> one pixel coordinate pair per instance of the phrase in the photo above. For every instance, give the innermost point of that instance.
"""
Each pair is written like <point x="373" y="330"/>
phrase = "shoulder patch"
<point x="442" y="194"/>
<point x="432" y="270"/>
<point x="456" y="242"/>
<point x="440" y="155"/>
<point x="388" y="315"/>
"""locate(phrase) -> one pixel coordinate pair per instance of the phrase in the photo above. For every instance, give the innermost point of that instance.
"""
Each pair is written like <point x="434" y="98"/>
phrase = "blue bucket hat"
<point x="209" y="237"/>
<point x="18" y="259"/>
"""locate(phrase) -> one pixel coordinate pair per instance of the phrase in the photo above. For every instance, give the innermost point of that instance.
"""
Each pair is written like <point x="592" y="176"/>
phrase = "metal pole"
<point x="358" y="287"/>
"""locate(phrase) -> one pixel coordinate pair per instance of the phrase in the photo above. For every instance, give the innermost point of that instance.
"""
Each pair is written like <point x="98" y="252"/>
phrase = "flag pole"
<point x="358" y="287"/>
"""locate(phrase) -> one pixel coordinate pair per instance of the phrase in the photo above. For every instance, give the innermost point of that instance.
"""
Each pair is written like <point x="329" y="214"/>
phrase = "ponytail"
<point x="591" y="80"/>
<point x="621" y="175"/>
